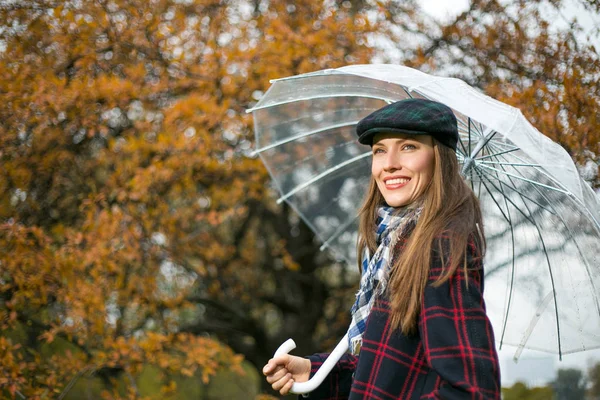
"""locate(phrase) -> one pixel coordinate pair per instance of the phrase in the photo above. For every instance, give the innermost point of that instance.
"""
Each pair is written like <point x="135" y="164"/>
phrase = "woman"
<point x="419" y="320"/>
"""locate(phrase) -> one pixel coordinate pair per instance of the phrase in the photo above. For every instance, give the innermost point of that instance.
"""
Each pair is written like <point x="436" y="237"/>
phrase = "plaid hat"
<point x="413" y="117"/>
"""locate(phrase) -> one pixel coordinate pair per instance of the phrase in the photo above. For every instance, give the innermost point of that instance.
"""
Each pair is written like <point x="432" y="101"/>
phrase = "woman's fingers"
<point x="287" y="387"/>
<point x="279" y="373"/>
<point x="280" y="384"/>
<point x="275" y="363"/>
<point x="268" y="367"/>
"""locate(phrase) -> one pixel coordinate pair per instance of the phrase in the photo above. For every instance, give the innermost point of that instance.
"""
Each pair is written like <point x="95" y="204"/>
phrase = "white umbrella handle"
<point x="319" y="377"/>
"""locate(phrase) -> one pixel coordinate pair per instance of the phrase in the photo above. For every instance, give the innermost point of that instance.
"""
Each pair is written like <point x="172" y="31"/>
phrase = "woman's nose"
<point x="392" y="162"/>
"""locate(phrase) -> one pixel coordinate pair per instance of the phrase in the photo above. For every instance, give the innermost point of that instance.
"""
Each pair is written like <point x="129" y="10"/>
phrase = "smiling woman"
<point x="419" y="326"/>
<point x="402" y="166"/>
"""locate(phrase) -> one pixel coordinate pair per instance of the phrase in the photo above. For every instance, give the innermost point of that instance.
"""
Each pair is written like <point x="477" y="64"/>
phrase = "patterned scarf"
<point x="391" y="223"/>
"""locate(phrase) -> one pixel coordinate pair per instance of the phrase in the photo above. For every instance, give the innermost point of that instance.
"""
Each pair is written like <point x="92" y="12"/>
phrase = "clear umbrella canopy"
<point x="541" y="220"/>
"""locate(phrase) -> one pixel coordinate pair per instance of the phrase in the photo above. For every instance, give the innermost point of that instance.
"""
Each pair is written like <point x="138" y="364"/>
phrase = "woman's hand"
<point x="282" y="371"/>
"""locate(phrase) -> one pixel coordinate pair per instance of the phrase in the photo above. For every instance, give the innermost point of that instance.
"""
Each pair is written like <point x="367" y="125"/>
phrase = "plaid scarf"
<point x="391" y="223"/>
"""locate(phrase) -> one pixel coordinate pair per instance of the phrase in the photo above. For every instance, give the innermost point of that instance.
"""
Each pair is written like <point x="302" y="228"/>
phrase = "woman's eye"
<point x="409" y="147"/>
<point x="377" y="151"/>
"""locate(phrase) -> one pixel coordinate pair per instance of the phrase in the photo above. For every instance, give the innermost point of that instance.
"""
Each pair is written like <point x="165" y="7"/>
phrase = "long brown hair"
<point x="449" y="206"/>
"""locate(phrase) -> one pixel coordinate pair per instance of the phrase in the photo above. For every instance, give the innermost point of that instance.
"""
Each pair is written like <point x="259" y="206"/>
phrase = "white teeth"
<point x="398" y="181"/>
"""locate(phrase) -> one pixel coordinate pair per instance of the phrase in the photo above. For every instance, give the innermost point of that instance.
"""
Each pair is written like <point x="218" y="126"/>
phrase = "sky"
<point x="533" y="366"/>
<point x="444" y="10"/>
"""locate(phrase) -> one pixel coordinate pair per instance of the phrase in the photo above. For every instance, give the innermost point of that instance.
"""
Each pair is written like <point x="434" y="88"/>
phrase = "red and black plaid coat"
<point x="451" y="357"/>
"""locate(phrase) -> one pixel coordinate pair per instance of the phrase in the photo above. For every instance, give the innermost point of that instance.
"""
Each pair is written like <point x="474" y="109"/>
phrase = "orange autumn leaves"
<point x="125" y="185"/>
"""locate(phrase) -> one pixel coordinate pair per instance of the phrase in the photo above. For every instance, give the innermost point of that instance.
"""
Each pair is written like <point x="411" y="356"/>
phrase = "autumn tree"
<point x="135" y="227"/>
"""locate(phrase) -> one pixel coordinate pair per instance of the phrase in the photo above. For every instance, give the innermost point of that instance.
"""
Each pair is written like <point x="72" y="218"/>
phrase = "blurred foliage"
<point x="520" y="391"/>
<point x="570" y="384"/>
<point x="137" y="230"/>
<point x="593" y="375"/>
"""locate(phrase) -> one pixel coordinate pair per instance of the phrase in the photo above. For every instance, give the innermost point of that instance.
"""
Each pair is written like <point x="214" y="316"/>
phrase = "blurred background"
<point x="142" y="253"/>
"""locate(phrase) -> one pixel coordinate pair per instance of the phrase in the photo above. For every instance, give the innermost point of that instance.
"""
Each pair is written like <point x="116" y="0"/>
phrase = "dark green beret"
<point x="413" y="117"/>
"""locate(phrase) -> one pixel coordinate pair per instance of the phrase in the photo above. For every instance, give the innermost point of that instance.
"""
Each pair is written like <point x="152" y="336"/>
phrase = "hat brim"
<point x="367" y="136"/>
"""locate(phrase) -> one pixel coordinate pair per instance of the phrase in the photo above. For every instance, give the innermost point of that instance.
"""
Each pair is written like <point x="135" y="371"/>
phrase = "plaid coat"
<point x="451" y="357"/>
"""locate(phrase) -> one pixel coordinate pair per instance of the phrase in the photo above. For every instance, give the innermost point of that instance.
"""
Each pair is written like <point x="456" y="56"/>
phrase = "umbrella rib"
<point x="502" y="183"/>
<point x="461" y="125"/>
<point x="512" y="276"/>
<point x="484" y="139"/>
<point x="508" y="219"/>
<point x="508" y="163"/>
<point x="499" y="266"/>
<point x="527" y="217"/>
<point x="572" y="238"/>
<point x="338" y="232"/>
<point x="547" y="261"/>
<point x="551" y="281"/>
<point x="464" y="127"/>
<point x="530" y="217"/>
<point x="462" y="145"/>
<point x="479" y="128"/>
<point x="525" y="179"/>
<point x="587" y="267"/>
<point x="528" y="198"/>
<point x="313" y="97"/>
<point x="491" y="195"/>
<point x="543" y="172"/>
<point x="324" y="72"/>
<point x="497" y="154"/>
<point x="479" y="146"/>
<point x="302" y="135"/>
<point x="575" y="198"/>
<point x="538" y="168"/>
<point x="512" y="272"/>
<point x="525" y="338"/>
<point x="469" y="125"/>
<point x="321" y="176"/>
<point x="512" y="235"/>
<point x="502" y="145"/>
<point x="406" y="91"/>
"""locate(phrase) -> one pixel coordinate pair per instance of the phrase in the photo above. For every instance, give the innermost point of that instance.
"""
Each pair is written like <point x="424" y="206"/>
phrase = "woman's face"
<point x="402" y="166"/>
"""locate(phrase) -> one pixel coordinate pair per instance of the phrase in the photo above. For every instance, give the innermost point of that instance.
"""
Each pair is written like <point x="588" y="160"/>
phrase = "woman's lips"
<point x="395" y="183"/>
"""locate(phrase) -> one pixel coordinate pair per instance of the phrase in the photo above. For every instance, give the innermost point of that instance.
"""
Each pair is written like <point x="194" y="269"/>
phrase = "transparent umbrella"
<point x="541" y="219"/>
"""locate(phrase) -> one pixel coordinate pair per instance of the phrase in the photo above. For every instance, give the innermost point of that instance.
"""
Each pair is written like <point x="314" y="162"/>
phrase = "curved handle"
<point x="319" y="377"/>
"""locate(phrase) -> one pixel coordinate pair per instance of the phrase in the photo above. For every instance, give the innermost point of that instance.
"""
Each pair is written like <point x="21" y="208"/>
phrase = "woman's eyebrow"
<point x="398" y="141"/>
<point x="402" y="140"/>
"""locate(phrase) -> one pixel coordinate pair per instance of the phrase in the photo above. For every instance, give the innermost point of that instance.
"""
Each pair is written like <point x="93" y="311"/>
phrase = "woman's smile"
<point x="393" y="182"/>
